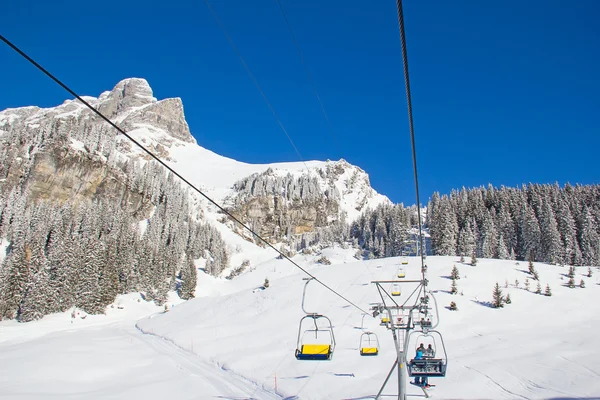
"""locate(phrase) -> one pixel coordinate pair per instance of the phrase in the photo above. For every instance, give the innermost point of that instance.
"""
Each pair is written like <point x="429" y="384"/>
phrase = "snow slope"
<point x="536" y="347"/>
<point x="238" y="341"/>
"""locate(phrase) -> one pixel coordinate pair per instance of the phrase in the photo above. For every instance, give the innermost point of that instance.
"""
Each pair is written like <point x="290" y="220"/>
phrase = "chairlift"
<point x="315" y="343"/>
<point x="404" y="261"/>
<point x="369" y="344"/>
<point x="434" y="360"/>
<point x="401" y="273"/>
<point x="385" y="320"/>
<point x="396" y="290"/>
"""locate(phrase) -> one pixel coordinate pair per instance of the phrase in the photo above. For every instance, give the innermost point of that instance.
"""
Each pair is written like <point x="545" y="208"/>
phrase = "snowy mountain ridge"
<point x="160" y="126"/>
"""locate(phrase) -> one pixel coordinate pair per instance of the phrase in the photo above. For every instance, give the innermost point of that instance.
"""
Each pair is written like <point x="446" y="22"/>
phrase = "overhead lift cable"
<point x="411" y="126"/>
<point x="262" y="93"/>
<point x="153" y="156"/>
<point x="312" y="82"/>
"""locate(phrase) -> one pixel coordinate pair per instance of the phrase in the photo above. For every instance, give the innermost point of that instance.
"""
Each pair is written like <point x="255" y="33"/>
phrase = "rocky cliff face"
<point x="67" y="153"/>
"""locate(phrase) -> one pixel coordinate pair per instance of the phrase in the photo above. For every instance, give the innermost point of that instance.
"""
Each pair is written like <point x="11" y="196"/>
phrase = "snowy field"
<point x="238" y="342"/>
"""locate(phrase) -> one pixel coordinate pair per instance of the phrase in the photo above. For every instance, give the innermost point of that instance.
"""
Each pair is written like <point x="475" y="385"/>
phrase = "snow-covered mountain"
<point x="315" y="192"/>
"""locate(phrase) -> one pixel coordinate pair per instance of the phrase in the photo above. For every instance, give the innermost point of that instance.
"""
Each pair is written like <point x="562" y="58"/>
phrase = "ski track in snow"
<point x="495" y="382"/>
<point x="220" y="376"/>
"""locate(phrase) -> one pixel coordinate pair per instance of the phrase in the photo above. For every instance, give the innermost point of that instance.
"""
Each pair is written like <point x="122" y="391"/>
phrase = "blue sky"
<point x="503" y="92"/>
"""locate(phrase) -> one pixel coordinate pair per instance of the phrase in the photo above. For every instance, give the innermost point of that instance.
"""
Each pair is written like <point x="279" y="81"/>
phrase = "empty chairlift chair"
<point x="401" y="273"/>
<point x="316" y="343"/>
<point x="404" y="260"/>
<point x="369" y="344"/>
<point x="396" y="290"/>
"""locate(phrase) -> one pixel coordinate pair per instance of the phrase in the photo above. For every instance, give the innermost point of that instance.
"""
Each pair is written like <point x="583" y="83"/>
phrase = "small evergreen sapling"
<point x="589" y="275"/>
<point x="453" y="288"/>
<point x="548" y="292"/>
<point x="506" y="283"/>
<point x="453" y="306"/>
<point x="473" y="259"/>
<point x="571" y="283"/>
<point x="266" y="284"/>
<point x="454" y="274"/>
<point x="517" y="283"/>
<point x="497" y="296"/>
<point x="527" y="284"/>
<point x="462" y="259"/>
<point x="507" y="300"/>
<point x="582" y="284"/>
<point x="538" y="289"/>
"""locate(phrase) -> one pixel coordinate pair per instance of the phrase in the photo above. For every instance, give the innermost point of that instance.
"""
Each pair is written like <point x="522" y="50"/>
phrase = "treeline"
<point x="64" y="256"/>
<point x="543" y="222"/>
<point x="61" y="254"/>
<point x="384" y="231"/>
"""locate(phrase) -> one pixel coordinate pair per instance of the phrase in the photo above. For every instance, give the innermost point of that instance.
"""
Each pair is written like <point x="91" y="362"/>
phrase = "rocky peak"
<point x="129" y="93"/>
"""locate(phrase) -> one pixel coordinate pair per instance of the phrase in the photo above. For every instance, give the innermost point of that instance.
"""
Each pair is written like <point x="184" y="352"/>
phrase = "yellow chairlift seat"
<point x="372" y="351"/>
<point x="315" y="349"/>
<point x="396" y="293"/>
<point x="396" y="290"/>
<point x="404" y="261"/>
<point x="401" y="273"/>
<point x="385" y="320"/>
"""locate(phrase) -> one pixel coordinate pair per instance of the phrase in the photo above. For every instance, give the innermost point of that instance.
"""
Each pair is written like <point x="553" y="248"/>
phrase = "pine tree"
<point x="473" y="259"/>
<point x="453" y="288"/>
<point x="453" y="306"/>
<point x="548" y="292"/>
<point x="506" y="283"/>
<point x="589" y="274"/>
<point x="266" y="284"/>
<point x="507" y="300"/>
<point x="189" y="278"/>
<point x="550" y="237"/>
<point x="538" y="289"/>
<point x="531" y="266"/>
<point x="462" y="259"/>
<point x="582" y="284"/>
<point x="527" y="284"/>
<point x="497" y="296"/>
<point x="572" y="272"/>
<point x="454" y="274"/>
<point x="571" y="283"/>
<point x="517" y="283"/>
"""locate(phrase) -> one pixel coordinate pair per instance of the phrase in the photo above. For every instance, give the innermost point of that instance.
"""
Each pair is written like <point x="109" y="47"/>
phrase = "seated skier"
<point x="429" y="352"/>
<point x="419" y="356"/>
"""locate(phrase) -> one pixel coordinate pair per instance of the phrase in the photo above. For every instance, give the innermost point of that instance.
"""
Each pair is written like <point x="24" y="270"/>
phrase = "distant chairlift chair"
<point x="369" y="344"/>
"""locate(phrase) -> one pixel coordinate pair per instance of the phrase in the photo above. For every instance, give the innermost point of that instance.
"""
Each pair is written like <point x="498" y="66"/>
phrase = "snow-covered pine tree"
<point x="538" y="289"/>
<point x="188" y="276"/>
<point x="527" y="284"/>
<point x="548" y="292"/>
<point x="551" y="245"/>
<point x="498" y="299"/>
<point x="473" y="259"/>
<point x="507" y="299"/>
<point x="582" y="284"/>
